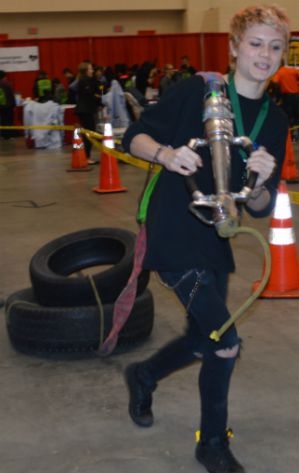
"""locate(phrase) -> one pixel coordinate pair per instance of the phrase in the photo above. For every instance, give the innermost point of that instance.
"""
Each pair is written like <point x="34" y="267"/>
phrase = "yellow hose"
<point x="217" y="334"/>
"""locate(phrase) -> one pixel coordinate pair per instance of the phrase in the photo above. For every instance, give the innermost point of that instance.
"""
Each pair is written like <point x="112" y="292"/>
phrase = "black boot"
<point x="216" y="457"/>
<point x="142" y="377"/>
<point x="140" y="397"/>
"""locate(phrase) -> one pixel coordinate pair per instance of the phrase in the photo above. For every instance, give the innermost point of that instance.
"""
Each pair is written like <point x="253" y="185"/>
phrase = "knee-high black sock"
<point x="214" y="380"/>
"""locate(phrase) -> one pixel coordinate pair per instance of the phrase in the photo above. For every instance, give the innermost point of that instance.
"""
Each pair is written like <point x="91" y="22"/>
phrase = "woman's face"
<point x="89" y="71"/>
<point x="259" y="54"/>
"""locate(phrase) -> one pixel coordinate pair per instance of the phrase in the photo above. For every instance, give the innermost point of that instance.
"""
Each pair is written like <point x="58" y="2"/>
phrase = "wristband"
<point x="156" y="156"/>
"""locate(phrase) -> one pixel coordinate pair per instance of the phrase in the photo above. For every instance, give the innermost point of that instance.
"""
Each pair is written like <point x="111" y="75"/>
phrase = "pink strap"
<point x="125" y="301"/>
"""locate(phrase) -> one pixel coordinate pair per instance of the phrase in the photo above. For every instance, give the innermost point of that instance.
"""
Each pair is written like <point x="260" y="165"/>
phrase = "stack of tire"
<point x="59" y="314"/>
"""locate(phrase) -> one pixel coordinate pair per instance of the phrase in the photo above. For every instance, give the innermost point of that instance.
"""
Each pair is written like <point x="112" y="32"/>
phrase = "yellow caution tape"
<point x="95" y="134"/>
<point x="127" y="158"/>
<point x="39" y="127"/>
<point x="93" y="137"/>
<point x="294" y="197"/>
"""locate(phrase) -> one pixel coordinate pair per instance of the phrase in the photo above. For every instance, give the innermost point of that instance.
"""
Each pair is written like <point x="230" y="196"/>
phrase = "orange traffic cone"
<point x="109" y="175"/>
<point x="79" y="159"/>
<point x="284" y="277"/>
<point x="289" y="171"/>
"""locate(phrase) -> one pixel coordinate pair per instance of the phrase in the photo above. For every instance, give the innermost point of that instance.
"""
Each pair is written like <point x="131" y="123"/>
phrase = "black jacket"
<point x="87" y="102"/>
<point x="176" y="238"/>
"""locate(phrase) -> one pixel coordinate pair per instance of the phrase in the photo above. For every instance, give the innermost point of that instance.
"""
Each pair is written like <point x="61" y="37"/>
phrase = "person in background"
<point x="69" y="75"/>
<point x="42" y="87"/>
<point x="7" y="105"/>
<point x="132" y="75"/>
<point x="71" y="84"/>
<point x="110" y="76"/>
<point x="186" y="69"/>
<point x="100" y="79"/>
<point x="145" y="77"/>
<point x="287" y="80"/>
<point x="168" y="78"/>
<point x="59" y="93"/>
<point x="189" y="255"/>
<point x="88" y="100"/>
<point x="124" y="76"/>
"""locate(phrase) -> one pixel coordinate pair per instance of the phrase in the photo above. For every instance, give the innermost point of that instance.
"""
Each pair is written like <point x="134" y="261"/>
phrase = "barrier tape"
<point x="294" y="197"/>
<point x="98" y="136"/>
<point x="67" y="128"/>
<point x="125" y="157"/>
<point x="59" y="127"/>
<point x="95" y="137"/>
<point x="39" y="127"/>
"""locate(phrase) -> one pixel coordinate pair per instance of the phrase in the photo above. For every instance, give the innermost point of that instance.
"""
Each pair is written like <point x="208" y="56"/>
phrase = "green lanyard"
<point x="238" y="114"/>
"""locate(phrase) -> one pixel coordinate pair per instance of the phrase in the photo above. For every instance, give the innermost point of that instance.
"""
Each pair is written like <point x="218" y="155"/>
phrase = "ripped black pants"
<point x="203" y="293"/>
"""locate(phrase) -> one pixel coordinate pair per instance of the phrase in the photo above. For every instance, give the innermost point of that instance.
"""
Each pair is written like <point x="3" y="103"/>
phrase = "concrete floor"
<point x="71" y="416"/>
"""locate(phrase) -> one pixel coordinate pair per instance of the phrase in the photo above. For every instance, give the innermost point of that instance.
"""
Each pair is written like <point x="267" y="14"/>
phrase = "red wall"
<point x="207" y="51"/>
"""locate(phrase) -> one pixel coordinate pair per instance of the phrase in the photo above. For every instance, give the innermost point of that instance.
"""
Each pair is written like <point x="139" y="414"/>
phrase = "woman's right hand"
<point x="181" y="160"/>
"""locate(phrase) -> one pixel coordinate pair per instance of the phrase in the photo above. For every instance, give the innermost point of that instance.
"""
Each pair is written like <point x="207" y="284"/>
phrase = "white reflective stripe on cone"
<point x="78" y="145"/>
<point x="109" y="143"/>
<point x="281" y="236"/>
<point x="282" y="207"/>
<point x="77" y="134"/>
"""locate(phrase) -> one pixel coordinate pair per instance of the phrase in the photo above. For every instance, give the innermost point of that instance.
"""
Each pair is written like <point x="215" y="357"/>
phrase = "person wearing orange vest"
<point x="287" y="79"/>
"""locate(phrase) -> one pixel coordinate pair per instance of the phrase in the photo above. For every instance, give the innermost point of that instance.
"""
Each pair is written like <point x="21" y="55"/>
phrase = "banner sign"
<point x="19" y="59"/>
<point x="293" y="58"/>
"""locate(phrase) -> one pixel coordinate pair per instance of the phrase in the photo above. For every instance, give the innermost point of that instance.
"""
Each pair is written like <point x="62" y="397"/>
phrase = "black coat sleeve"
<point x="278" y="132"/>
<point x="163" y="120"/>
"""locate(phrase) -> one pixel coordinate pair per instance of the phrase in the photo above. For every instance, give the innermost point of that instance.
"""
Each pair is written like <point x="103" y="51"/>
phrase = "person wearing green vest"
<point x="189" y="255"/>
<point x="7" y="105"/>
<point x="42" y="89"/>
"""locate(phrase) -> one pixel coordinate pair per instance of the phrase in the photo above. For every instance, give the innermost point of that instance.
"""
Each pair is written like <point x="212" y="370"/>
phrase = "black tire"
<point x="52" y="265"/>
<point x="36" y="329"/>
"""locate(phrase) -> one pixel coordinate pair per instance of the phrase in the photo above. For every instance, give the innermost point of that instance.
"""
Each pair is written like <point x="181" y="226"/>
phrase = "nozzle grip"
<point x="253" y="175"/>
<point x="251" y="180"/>
<point x="191" y="184"/>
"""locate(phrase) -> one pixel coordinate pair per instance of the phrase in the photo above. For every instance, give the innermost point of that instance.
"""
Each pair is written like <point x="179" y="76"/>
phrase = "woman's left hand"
<point x="263" y="163"/>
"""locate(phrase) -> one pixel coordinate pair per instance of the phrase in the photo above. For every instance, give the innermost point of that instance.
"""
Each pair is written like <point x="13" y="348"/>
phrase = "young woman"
<point x="88" y="100"/>
<point x="188" y="254"/>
